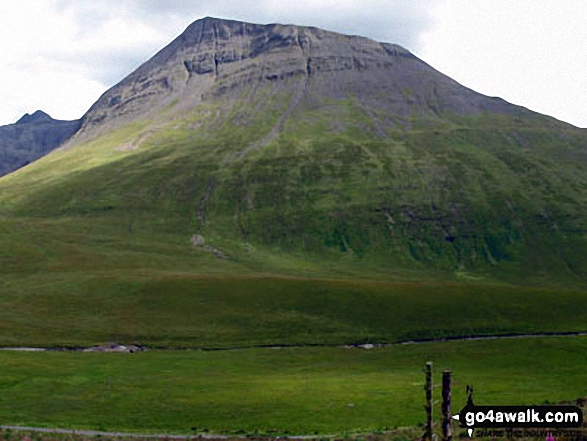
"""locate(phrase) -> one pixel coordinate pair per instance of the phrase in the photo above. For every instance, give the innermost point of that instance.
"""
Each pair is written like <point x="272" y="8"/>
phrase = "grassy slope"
<point x="301" y="391"/>
<point x="95" y="239"/>
<point x="174" y="309"/>
<point x="488" y="195"/>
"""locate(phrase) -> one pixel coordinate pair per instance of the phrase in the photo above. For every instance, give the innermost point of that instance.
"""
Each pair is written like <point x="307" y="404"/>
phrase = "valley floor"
<point x="270" y="392"/>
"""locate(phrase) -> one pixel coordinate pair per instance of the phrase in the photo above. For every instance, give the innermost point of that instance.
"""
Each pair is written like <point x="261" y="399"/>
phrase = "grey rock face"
<point x="30" y="138"/>
<point x="216" y="59"/>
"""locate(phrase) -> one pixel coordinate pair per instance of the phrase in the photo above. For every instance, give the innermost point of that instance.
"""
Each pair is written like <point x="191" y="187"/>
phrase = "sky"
<point x="61" y="55"/>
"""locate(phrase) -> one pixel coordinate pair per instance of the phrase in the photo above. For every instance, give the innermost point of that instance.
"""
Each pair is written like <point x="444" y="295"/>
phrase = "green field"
<point x="271" y="391"/>
<point x="166" y="310"/>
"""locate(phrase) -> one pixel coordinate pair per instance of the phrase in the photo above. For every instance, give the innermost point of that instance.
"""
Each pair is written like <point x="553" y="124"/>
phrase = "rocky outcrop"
<point x="199" y="242"/>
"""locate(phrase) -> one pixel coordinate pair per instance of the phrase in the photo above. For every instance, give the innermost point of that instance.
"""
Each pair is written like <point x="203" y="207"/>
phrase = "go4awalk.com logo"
<point x="520" y="417"/>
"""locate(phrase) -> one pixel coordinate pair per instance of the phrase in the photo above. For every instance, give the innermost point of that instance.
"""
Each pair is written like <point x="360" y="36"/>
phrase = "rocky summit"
<point x="218" y="59"/>
<point x="260" y="139"/>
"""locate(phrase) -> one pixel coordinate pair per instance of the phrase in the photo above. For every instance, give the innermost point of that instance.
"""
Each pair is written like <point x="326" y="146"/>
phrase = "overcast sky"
<point x="61" y="55"/>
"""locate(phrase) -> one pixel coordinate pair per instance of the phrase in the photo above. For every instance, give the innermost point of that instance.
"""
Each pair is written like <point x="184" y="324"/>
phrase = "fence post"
<point x="446" y="404"/>
<point x="429" y="402"/>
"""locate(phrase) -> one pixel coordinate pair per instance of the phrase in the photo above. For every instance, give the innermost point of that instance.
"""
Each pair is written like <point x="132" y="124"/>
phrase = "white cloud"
<point x="50" y="61"/>
<point x="529" y="52"/>
<point x="399" y="21"/>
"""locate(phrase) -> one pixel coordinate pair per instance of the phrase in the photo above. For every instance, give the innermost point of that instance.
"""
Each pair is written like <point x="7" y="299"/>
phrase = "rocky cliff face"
<point x="222" y="59"/>
<point x="30" y="138"/>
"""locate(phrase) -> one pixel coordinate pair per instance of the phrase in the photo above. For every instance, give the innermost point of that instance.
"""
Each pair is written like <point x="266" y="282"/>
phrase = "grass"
<point x="176" y="310"/>
<point x="287" y="391"/>
<point x="493" y="197"/>
<point x="332" y="238"/>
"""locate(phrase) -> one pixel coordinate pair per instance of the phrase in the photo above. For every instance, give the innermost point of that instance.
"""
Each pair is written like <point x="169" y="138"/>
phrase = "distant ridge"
<point x="32" y="137"/>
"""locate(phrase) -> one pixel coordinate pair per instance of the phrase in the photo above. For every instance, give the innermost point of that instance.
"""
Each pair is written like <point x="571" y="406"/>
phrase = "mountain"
<point x="218" y="59"/>
<point x="30" y="138"/>
<point x="316" y="143"/>
<point x="262" y="184"/>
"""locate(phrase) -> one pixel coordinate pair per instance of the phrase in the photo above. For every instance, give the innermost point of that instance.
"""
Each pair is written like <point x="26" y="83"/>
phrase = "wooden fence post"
<point x="446" y="404"/>
<point x="429" y="402"/>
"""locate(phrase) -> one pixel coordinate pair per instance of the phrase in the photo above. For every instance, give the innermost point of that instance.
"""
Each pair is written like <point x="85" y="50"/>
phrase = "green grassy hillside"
<point x="490" y="195"/>
<point x="472" y="227"/>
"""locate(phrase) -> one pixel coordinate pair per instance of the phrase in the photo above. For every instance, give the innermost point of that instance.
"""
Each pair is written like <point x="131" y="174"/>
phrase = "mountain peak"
<point x="38" y="116"/>
<point x="210" y="18"/>
<point x="218" y="59"/>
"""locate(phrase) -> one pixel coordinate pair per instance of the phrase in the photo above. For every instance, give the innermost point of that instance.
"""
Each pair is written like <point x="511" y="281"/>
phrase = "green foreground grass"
<point x="285" y="391"/>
